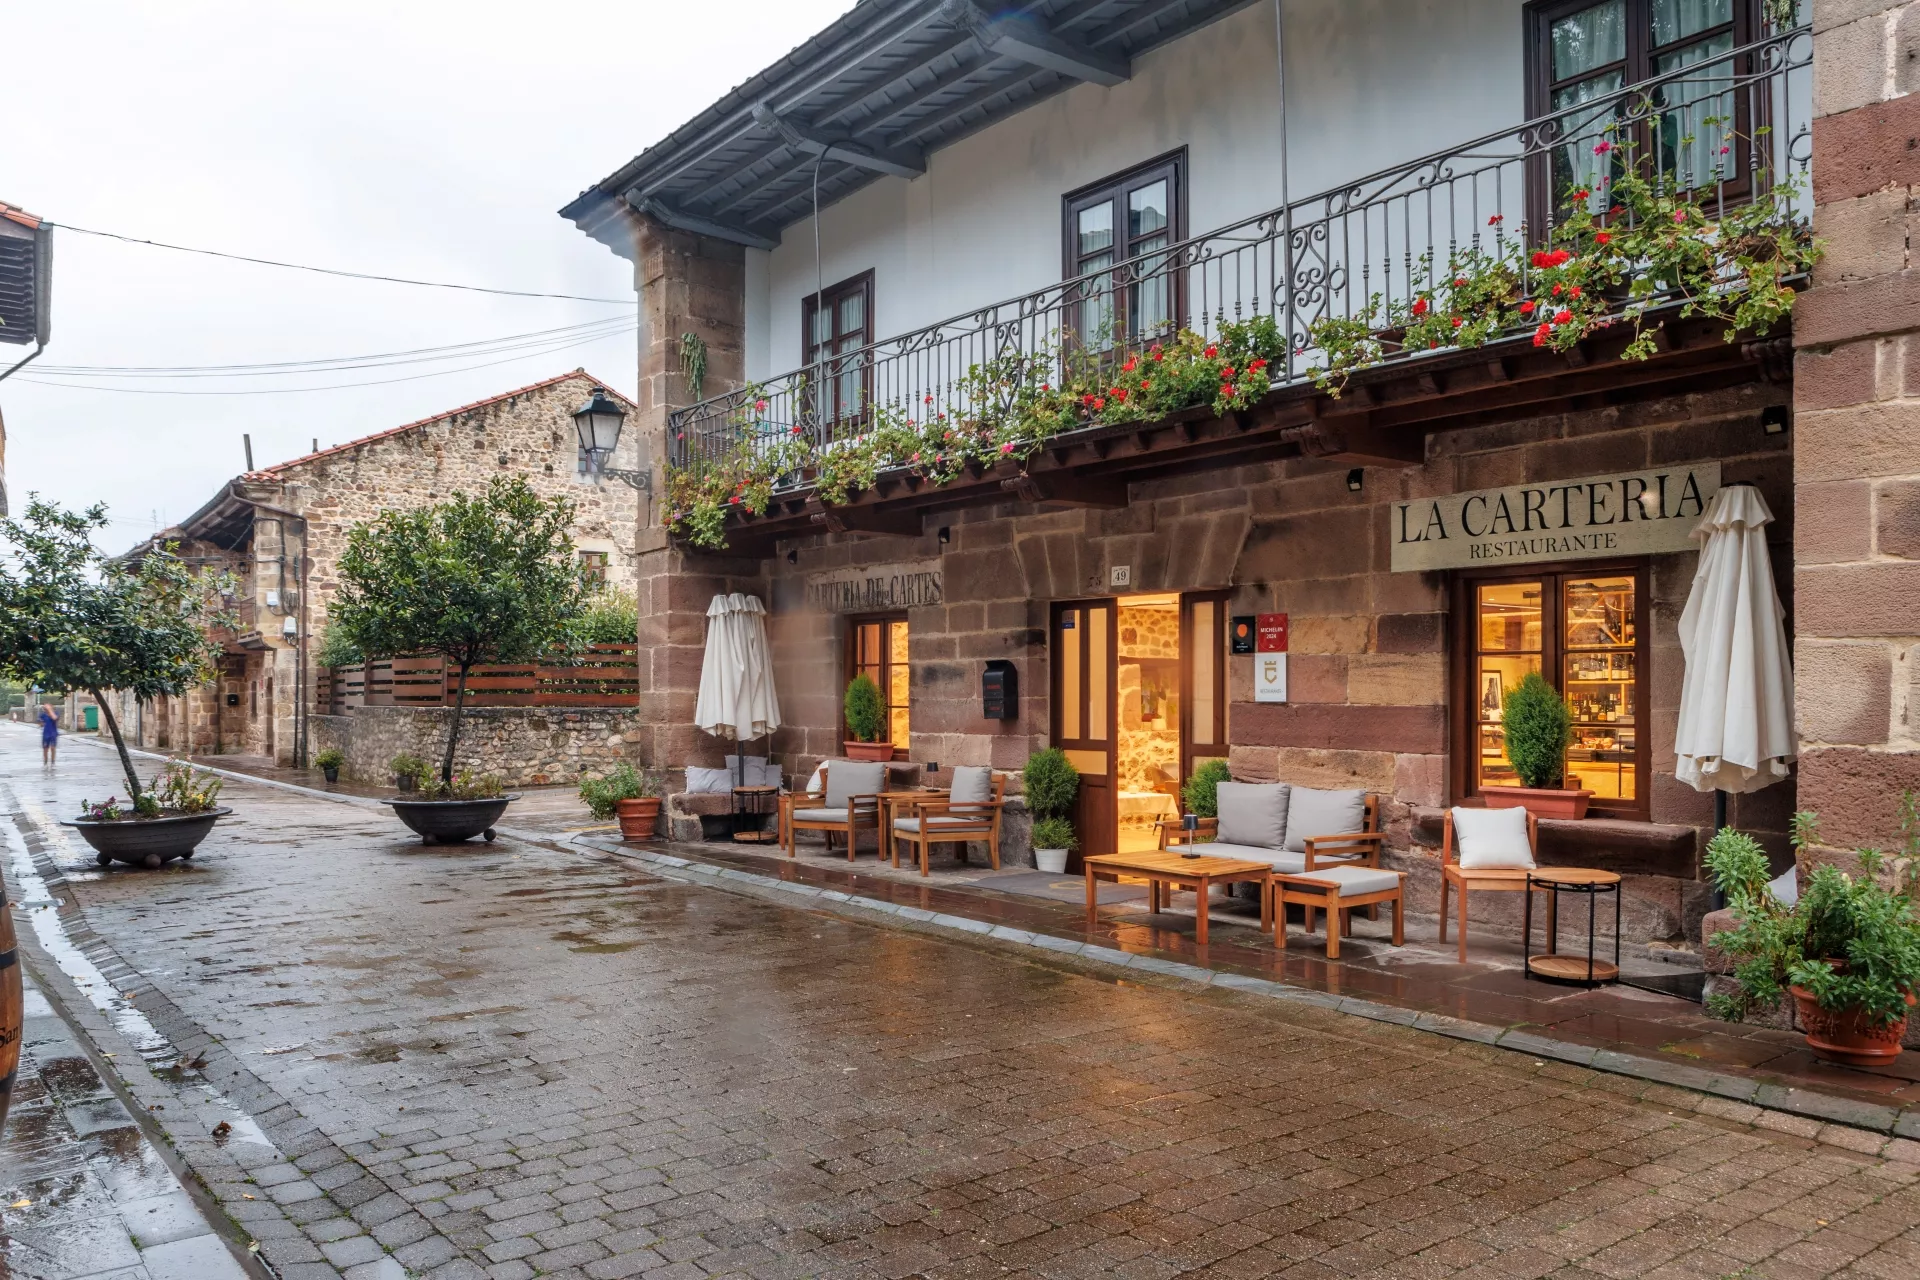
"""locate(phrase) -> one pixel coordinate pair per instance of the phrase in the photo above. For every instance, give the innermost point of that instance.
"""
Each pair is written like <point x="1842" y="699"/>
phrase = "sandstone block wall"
<point x="1857" y="419"/>
<point x="525" y="746"/>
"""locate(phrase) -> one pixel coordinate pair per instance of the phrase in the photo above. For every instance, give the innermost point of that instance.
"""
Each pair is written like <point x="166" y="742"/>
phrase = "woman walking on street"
<point x="49" y="734"/>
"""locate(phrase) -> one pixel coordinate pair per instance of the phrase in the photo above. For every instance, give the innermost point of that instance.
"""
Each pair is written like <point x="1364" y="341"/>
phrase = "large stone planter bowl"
<point x="451" y="821"/>
<point x="147" y="842"/>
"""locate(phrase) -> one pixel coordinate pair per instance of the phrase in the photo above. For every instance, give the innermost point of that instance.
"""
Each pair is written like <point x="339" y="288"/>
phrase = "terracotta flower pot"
<point x="638" y="817"/>
<point x="1541" y="802"/>
<point x="1846" y="1035"/>
<point x="868" y="751"/>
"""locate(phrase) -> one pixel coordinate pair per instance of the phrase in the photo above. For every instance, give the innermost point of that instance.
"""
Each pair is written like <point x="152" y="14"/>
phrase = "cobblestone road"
<point x="517" y="1061"/>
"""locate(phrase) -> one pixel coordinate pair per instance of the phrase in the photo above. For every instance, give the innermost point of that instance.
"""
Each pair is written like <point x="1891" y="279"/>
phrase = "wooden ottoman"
<point x="1337" y="891"/>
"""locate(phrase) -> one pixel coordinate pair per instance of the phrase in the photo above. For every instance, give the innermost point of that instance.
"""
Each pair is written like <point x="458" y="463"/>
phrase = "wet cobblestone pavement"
<point x="516" y="1060"/>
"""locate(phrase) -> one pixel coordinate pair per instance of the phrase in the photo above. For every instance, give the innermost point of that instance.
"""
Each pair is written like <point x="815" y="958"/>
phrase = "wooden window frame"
<point x="1218" y="602"/>
<point x="1113" y="188"/>
<point x="1463" y="687"/>
<point x="850" y="666"/>
<point x="831" y="297"/>
<point x="1636" y="66"/>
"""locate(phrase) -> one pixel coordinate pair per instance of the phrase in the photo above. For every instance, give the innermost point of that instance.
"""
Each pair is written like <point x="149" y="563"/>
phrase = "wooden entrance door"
<point x="1083" y="715"/>
<point x="1203" y="674"/>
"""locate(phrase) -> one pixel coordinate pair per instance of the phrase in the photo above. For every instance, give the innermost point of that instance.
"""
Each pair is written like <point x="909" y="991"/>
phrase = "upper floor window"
<point x="1698" y="131"/>
<point x="593" y="569"/>
<point x="837" y="326"/>
<point x="1117" y="233"/>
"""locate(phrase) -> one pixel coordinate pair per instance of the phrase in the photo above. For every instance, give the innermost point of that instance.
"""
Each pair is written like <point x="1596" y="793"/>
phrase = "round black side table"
<point x="1550" y="964"/>
<point x="751" y="808"/>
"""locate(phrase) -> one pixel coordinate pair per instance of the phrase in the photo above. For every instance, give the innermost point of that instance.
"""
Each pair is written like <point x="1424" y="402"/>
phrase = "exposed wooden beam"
<point x="1068" y="489"/>
<point x="1027" y="39"/>
<point x="1358" y="443"/>
<point x="901" y="164"/>
<point x="864" y="519"/>
<point x="679" y="220"/>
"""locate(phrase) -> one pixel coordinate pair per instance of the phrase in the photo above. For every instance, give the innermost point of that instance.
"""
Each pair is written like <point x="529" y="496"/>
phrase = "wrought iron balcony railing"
<point x="1729" y="131"/>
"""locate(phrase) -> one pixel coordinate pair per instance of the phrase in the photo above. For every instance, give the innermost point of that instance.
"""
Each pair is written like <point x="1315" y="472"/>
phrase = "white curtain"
<point x="1736" y="702"/>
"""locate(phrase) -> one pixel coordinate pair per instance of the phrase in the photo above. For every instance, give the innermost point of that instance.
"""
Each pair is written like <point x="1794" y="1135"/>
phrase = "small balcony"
<point x="1420" y="298"/>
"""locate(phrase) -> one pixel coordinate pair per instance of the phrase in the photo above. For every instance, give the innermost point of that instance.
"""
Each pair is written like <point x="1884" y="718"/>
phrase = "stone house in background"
<point x="839" y="227"/>
<point x="280" y="530"/>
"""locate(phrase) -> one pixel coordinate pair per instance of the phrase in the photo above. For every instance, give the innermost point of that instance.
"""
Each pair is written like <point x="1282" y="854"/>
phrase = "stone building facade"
<point x="280" y="531"/>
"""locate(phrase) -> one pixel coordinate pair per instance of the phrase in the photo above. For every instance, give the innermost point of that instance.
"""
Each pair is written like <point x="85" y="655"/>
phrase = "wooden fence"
<point x="603" y="675"/>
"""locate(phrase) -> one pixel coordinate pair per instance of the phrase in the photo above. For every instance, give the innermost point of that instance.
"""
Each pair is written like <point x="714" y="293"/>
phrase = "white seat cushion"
<point x="1253" y="813"/>
<point x="1278" y="859"/>
<point x="819" y="815"/>
<point x="1353" y="881"/>
<point x="1492" y="839"/>
<point x="1312" y="813"/>
<point x="935" y="823"/>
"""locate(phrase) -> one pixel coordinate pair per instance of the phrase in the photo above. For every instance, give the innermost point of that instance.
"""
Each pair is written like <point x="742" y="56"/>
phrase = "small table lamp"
<point x="1190" y="823"/>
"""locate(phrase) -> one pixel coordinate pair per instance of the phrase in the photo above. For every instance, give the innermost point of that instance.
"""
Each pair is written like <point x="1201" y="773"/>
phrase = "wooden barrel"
<point x="10" y="1006"/>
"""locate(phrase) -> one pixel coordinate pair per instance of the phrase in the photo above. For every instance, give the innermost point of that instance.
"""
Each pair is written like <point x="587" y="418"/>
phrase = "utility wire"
<point x="331" y="271"/>
<point x="419" y="355"/>
<point x="629" y="327"/>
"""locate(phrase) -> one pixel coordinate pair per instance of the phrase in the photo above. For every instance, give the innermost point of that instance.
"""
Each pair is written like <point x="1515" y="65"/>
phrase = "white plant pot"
<point x="1051" y="861"/>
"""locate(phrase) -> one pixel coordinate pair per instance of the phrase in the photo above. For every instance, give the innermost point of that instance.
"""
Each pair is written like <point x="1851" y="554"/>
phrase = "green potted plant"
<point x="1201" y="794"/>
<point x="409" y="771"/>
<point x="1051" y="784"/>
<point x="632" y="795"/>
<point x="483" y="579"/>
<point x="330" y="761"/>
<point x="866" y="721"/>
<point x="1538" y="729"/>
<point x="1847" y="952"/>
<point x="72" y="619"/>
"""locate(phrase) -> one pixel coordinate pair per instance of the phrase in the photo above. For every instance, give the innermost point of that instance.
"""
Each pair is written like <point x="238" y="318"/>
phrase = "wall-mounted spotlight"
<point x="793" y="555"/>
<point x="1773" y="420"/>
<point x="1354" y="479"/>
<point x="946" y="535"/>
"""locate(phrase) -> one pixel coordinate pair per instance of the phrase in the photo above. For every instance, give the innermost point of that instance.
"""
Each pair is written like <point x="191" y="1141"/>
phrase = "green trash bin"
<point x="90" y="718"/>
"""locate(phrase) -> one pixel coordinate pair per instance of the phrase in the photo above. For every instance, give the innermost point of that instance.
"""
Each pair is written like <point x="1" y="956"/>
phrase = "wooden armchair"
<point x="849" y="804"/>
<point x="1454" y="877"/>
<point x="970" y="811"/>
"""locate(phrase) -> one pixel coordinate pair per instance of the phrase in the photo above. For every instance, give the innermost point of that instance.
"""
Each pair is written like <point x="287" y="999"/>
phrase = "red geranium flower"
<point x="1496" y="219"/>
<point x="1212" y="352"/>
<point x="1419" y="306"/>
<point x="1539" y="257"/>
<point x="1561" y="317"/>
<point x="1540" y="335"/>
<point x="1007" y="447"/>
<point x="1129" y="365"/>
<point x="735" y="499"/>
<point x="1258" y="363"/>
<point x="1145" y="383"/>
<point x="1158" y="354"/>
<point x="1526" y="308"/>
<point x="1457" y="322"/>
<point x="761" y="405"/>
<point x="1099" y="403"/>
<point x="1120" y="394"/>
<point x="1460" y="282"/>
<point x="1226" y="372"/>
<point x="1575" y="291"/>
<point x="1601" y="148"/>
<point x="1603" y="237"/>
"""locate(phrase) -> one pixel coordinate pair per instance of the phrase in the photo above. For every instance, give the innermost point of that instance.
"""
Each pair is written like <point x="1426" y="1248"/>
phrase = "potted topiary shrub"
<point x="330" y="761"/>
<point x="1848" y="951"/>
<point x="1538" y="728"/>
<point x="409" y="771"/>
<point x="72" y="619"/>
<point x="473" y="579"/>
<point x="630" y="794"/>
<point x="1051" y="784"/>
<point x="866" y="721"/>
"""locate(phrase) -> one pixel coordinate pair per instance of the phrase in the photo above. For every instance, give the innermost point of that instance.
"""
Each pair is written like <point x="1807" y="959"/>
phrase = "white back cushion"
<point x="818" y="780"/>
<point x="972" y="784"/>
<point x="1492" y="838"/>
<point x="1323" y="813"/>
<point x="1253" y="813"/>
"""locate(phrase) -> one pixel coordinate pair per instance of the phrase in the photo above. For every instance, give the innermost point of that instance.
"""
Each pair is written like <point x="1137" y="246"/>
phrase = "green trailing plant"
<point x="1051" y="784"/>
<point x="603" y="793"/>
<point x="331" y="758"/>
<point x="865" y="713"/>
<point x="1054" y="833"/>
<point x="72" y="619"/>
<point x="463" y="786"/>
<point x="490" y="578"/>
<point x="1538" y="728"/>
<point x="1852" y="941"/>
<point x="693" y="362"/>
<point x="1201" y="794"/>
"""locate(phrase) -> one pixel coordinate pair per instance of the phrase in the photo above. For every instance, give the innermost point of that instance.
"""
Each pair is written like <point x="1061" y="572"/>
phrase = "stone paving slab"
<point x="519" y="1060"/>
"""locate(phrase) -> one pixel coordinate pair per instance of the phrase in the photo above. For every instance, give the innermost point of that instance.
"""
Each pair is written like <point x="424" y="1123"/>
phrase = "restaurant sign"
<point x="1637" y="513"/>
<point x="876" y="588"/>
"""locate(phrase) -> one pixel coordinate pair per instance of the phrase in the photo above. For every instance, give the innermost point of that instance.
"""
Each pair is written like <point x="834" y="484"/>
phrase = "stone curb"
<point x="1821" y="1117"/>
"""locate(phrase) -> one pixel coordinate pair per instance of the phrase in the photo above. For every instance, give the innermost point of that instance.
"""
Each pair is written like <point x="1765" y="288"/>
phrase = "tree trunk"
<point x="119" y="744"/>
<point x="453" y="735"/>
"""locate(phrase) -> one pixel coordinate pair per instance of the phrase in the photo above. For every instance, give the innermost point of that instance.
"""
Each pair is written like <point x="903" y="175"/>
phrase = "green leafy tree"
<point x="473" y="579"/>
<point x="1538" y="729"/>
<point x="73" y="620"/>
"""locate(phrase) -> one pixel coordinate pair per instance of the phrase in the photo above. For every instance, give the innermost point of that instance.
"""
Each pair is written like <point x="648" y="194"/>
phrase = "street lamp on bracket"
<point x="598" y="423"/>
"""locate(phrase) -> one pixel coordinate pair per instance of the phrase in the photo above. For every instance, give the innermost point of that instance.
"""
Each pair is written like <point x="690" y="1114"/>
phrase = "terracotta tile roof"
<point x="279" y="469"/>
<point x="14" y="213"/>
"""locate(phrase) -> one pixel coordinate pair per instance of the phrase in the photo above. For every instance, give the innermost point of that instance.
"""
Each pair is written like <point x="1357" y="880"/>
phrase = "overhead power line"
<point x="605" y="327"/>
<point x="332" y="271"/>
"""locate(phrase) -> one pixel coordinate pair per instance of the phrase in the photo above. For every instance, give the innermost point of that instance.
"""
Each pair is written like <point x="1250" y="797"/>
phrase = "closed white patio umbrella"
<point x="736" y="675"/>
<point x="1736" y="729"/>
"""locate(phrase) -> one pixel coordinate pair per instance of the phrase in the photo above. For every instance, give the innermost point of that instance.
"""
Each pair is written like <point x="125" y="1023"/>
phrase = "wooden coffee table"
<point x="1165" y="870"/>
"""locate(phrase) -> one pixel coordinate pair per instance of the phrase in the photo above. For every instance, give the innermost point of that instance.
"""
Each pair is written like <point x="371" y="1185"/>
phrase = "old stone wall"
<point x="524" y="746"/>
<point x="1369" y="671"/>
<point x="1857" y="416"/>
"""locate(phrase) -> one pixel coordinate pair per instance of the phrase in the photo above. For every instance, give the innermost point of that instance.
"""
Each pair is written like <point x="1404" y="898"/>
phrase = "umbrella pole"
<point x="1719" y="825"/>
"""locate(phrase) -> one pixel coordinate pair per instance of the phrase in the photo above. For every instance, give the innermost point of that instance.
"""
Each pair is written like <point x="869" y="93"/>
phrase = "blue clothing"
<point x="49" y="728"/>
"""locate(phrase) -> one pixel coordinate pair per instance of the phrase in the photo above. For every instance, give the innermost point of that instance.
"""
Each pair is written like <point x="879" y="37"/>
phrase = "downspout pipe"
<point x="1286" y="201"/>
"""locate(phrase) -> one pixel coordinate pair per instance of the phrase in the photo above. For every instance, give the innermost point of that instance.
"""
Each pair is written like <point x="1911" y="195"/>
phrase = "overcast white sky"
<point x="431" y="139"/>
